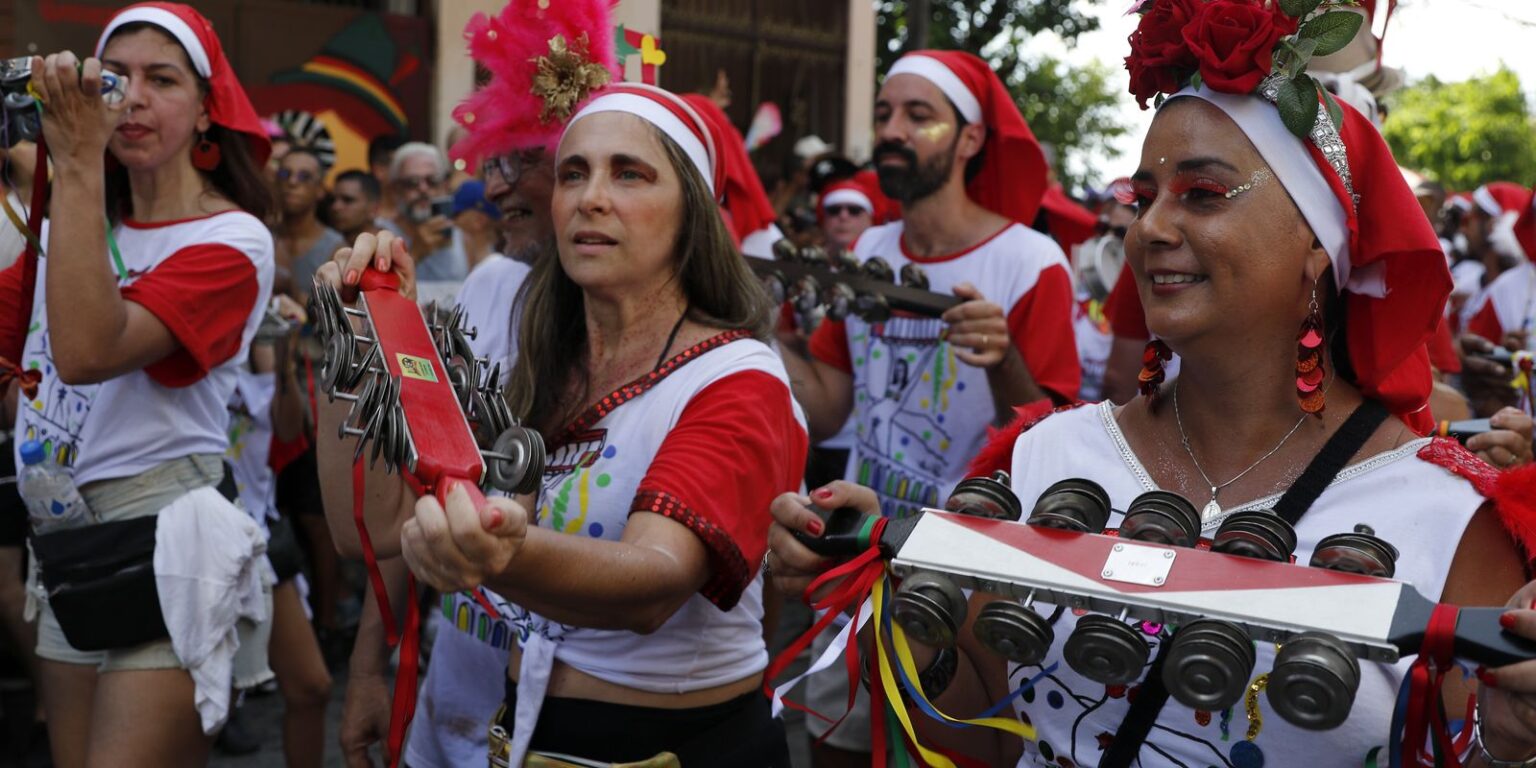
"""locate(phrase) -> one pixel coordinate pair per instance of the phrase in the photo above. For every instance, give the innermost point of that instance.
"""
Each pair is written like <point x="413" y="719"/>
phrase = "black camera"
<point x="20" y="119"/>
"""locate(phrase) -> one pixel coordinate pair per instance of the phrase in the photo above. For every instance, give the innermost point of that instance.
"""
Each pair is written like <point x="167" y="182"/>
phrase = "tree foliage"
<point x="1070" y="107"/>
<point x="1464" y="134"/>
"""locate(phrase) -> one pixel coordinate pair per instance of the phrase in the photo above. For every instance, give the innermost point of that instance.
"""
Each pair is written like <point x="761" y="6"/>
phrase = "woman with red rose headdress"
<point x="1279" y="252"/>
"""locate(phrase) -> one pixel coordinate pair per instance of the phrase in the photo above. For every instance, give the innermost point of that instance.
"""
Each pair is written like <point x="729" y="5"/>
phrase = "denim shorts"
<point x="142" y="495"/>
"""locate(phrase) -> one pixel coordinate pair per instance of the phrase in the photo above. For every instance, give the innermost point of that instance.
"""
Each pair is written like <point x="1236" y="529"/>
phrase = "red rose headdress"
<point x="545" y="59"/>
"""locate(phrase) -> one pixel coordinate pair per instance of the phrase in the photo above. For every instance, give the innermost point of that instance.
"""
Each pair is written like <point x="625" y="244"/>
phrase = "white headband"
<point x="935" y="72"/>
<point x="648" y="110"/>
<point x="846" y="196"/>
<point x="1486" y="202"/>
<point x="1293" y="165"/>
<point x="167" y="21"/>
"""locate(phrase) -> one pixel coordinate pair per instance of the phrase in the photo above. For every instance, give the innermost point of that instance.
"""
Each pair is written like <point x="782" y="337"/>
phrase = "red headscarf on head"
<point x="1497" y="198"/>
<point x="862" y="189"/>
<point x="745" y="202"/>
<point x="1070" y="223"/>
<point x="1525" y="227"/>
<point x="1013" y="172"/>
<point x="227" y="104"/>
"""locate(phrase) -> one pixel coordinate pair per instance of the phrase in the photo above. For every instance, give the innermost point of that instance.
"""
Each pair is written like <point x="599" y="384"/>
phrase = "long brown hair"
<point x="719" y="286"/>
<point x="236" y="178"/>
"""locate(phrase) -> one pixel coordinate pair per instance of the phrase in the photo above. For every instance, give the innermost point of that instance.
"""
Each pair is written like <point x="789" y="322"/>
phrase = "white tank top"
<point x="1418" y="507"/>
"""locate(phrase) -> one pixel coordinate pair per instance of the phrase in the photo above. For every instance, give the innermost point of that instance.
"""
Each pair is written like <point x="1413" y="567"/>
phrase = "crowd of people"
<point x="1259" y="316"/>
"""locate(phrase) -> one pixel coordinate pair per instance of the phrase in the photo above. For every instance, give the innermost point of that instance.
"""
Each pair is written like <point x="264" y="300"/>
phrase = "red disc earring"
<point x="206" y="155"/>
<point x="1150" y="381"/>
<point x="1309" y="361"/>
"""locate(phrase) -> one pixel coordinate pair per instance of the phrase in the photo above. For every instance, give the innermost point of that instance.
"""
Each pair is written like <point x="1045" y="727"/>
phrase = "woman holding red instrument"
<point x="631" y="578"/>
<point x="1279" y="253"/>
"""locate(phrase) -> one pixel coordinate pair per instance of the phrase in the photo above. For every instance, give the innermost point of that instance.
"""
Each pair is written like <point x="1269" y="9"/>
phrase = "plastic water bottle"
<point x="52" y="499"/>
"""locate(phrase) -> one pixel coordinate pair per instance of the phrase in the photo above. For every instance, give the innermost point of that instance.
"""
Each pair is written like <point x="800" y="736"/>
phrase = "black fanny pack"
<point x="100" y="581"/>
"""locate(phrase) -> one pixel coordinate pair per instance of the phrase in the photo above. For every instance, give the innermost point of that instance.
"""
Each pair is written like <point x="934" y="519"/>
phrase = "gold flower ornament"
<point x="565" y="76"/>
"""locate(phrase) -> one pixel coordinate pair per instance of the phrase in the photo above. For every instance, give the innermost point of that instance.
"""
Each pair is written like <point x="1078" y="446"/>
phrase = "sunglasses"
<point x="511" y="165"/>
<point x="833" y="211"/>
<point x="302" y="177"/>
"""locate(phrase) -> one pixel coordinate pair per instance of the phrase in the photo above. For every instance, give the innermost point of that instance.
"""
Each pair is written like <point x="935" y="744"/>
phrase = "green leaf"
<point x="1195" y="81"/>
<point x="1297" y="100"/>
<point x="1334" y="112"/>
<point x="1332" y="31"/>
<point x="1297" y="9"/>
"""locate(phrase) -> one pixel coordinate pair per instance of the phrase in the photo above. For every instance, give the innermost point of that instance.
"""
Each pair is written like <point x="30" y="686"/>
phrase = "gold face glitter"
<point x="935" y="132"/>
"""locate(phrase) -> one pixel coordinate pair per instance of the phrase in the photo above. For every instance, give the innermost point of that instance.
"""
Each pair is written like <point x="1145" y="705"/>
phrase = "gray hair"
<point x="412" y="149"/>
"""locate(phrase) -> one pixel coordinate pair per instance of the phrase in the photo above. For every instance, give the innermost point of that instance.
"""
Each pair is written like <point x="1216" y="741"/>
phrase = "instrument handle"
<point x="1479" y="638"/>
<point x="447" y="483"/>
<point x="373" y="279"/>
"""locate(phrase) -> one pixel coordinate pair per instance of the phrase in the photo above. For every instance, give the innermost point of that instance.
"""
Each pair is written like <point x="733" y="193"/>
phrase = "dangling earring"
<point x="1309" y="360"/>
<point x="1150" y="381"/>
<point x="206" y="156"/>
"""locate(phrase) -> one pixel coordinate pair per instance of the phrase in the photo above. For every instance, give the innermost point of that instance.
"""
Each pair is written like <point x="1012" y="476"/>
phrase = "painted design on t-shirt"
<point x="466" y="615"/>
<point x="574" y="472"/>
<point x="59" y="412"/>
<point x="909" y="377"/>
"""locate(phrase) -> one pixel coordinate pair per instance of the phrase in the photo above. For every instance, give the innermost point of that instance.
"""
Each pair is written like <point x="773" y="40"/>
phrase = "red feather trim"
<point x="1512" y="491"/>
<point x="997" y="454"/>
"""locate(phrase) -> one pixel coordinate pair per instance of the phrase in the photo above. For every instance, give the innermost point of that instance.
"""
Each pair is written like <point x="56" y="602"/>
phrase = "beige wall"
<point x="859" y="109"/>
<point x="454" y="75"/>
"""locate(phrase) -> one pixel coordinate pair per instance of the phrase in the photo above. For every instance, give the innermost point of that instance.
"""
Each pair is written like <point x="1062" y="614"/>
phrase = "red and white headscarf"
<point x="1385" y="255"/>
<point x="745" y="203"/>
<point x="665" y="110"/>
<point x="1497" y="198"/>
<point x="1013" y="174"/>
<point x="227" y="103"/>
<point x="1525" y="227"/>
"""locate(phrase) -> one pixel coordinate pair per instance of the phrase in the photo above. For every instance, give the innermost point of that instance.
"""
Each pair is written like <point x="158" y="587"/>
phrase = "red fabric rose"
<point x="1234" y="40"/>
<point x="1160" y="59"/>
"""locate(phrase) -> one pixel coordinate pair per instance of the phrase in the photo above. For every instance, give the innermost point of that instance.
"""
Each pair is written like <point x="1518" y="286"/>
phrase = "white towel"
<point x="210" y="573"/>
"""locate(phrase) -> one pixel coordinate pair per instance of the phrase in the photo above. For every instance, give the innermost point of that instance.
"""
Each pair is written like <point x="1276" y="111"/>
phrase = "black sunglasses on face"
<point x="833" y="211"/>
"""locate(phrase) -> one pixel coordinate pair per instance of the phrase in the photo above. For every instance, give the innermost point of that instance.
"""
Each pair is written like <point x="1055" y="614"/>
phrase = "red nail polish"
<point x="495" y="518"/>
<point x="815" y="527"/>
<point x="382" y="265"/>
<point x="1507" y="620"/>
<point x="351" y="278"/>
<point x="822" y="493"/>
<point x="1486" y="678"/>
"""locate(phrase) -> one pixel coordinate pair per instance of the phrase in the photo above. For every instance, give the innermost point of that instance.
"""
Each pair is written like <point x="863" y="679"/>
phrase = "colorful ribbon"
<point x="1425" y="723"/>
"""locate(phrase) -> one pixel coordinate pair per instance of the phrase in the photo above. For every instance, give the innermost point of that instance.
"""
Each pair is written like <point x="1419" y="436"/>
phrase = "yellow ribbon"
<point x="903" y="652"/>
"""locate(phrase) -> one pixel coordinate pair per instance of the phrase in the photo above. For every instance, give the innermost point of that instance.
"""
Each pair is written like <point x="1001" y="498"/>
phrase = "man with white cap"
<point x="954" y="151"/>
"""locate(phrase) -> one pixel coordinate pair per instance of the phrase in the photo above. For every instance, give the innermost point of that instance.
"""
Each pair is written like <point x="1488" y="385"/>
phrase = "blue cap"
<point x="32" y="453"/>
<point x="470" y="196"/>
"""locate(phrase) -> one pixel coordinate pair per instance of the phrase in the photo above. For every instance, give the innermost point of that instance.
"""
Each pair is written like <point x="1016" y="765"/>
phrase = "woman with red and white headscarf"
<point x="631" y="579"/>
<point x="139" y="318"/>
<point x="1280" y="254"/>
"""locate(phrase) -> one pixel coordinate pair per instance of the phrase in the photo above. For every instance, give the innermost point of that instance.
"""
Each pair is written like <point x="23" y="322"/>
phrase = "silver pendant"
<point x="1211" y="512"/>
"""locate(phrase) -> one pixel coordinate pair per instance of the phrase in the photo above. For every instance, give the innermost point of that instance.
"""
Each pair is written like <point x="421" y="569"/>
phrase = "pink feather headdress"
<point x="545" y="60"/>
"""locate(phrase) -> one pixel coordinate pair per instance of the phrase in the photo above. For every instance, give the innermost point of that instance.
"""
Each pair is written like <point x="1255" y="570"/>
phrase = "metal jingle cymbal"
<point x="913" y="276"/>
<point x="1208" y="664"/>
<point x="844" y="260"/>
<point x="506" y="471"/>
<point x="838" y="298"/>
<point x="336" y="360"/>
<point x="1014" y="632"/>
<point x="461" y="376"/>
<point x="1314" y="681"/>
<point x="988" y="497"/>
<point x="1161" y="517"/>
<point x="459" y="345"/>
<point x="872" y="308"/>
<point x="814" y="255"/>
<point x="930" y="608"/>
<point x="1358" y="552"/>
<point x="1105" y="650"/>
<point x="1258" y="533"/>
<point x="876" y="268"/>
<point x="784" y="250"/>
<point x="1075" y="505"/>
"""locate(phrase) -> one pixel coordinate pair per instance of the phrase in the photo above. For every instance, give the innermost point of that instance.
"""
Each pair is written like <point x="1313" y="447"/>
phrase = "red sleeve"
<point x="829" y="344"/>
<point x="13" y="327"/>
<point x="1486" y="323"/>
<point x="204" y="294"/>
<point x="736" y="447"/>
<point x="1041" y="327"/>
<point x="1442" y="351"/>
<point x="1123" y="308"/>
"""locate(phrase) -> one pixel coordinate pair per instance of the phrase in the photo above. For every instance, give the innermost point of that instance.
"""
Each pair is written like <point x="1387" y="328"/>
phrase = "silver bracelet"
<point x="1490" y="760"/>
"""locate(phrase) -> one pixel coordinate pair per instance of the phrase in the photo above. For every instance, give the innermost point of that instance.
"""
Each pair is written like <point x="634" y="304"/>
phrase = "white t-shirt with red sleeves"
<point x="207" y="279"/>
<point x="1507" y="305"/>
<point x="919" y="413"/>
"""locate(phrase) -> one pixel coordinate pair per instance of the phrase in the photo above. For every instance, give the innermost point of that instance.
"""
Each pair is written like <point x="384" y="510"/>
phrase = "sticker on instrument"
<point x="1133" y="564"/>
<point x="416" y="367"/>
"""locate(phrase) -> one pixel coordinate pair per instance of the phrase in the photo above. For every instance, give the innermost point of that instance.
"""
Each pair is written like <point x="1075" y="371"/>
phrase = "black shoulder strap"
<point x="1344" y="443"/>
<point x="1318" y="475"/>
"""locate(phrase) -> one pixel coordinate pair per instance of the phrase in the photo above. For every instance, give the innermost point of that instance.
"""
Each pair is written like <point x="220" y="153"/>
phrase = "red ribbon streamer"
<point x="855" y="579"/>
<point x="391" y="632"/>
<point x="1425" y="718"/>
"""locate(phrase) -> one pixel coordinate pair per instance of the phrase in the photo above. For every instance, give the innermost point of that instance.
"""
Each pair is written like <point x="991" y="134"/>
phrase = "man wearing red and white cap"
<point x="846" y="209"/>
<point x="956" y="154"/>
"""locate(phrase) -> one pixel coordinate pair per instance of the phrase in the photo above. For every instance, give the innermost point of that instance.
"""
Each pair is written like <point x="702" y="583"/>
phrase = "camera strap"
<point x="1319" y="474"/>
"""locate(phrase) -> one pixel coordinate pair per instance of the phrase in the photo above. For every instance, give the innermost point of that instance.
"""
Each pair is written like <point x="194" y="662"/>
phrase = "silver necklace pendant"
<point x="1212" y="509"/>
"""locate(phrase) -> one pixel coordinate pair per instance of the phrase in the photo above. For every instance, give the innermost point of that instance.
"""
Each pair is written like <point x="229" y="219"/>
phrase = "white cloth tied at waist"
<point x="533" y="672"/>
<point x="210" y="572"/>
